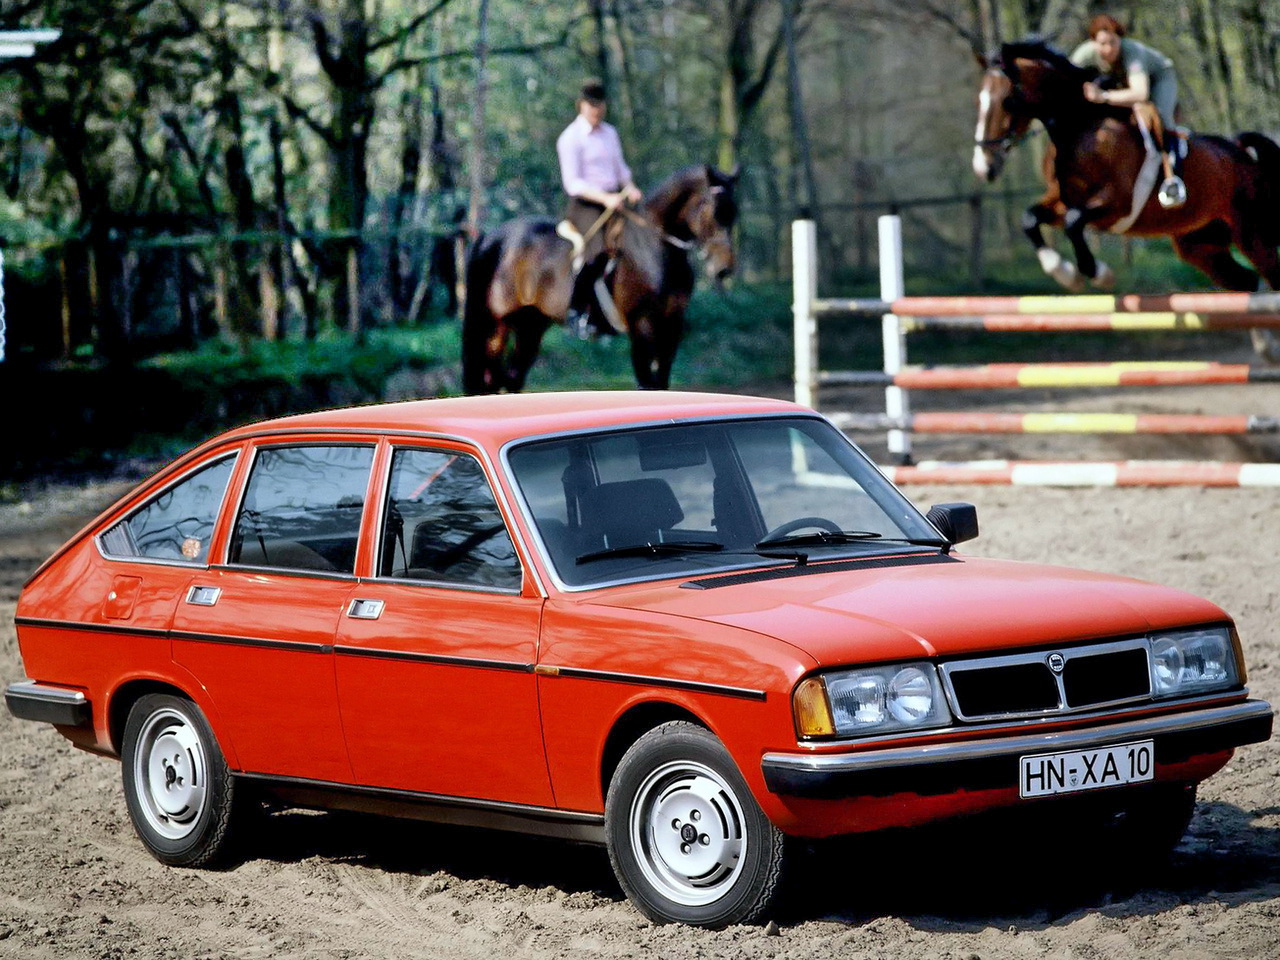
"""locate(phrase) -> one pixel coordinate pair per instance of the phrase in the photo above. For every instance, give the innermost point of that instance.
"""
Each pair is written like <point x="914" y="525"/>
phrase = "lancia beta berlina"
<point x="696" y="629"/>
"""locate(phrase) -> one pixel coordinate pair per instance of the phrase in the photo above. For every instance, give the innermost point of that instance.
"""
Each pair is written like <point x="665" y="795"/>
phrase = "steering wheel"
<point x="791" y="526"/>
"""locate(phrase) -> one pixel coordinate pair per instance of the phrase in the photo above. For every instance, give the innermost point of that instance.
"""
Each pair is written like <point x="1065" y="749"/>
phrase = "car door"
<point x="258" y="630"/>
<point x="435" y="653"/>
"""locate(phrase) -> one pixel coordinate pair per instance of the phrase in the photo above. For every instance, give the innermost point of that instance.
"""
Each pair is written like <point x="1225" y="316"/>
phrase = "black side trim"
<point x="988" y="773"/>
<point x="90" y="627"/>
<point x="808" y="569"/>
<point x="253" y="642"/>
<point x="377" y="654"/>
<point x="439" y="808"/>
<point x="743" y="693"/>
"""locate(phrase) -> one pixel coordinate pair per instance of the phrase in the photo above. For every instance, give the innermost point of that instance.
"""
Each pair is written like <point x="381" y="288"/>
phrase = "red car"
<point x="692" y="628"/>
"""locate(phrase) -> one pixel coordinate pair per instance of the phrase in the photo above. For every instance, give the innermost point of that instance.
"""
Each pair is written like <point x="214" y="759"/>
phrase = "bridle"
<point x="1009" y="140"/>
<point x="649" y="225"/>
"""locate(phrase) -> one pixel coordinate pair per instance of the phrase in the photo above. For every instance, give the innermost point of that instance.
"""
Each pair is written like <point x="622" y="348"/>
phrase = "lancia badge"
<point x="191" y="548"/>
<point x="1056" y="662"/>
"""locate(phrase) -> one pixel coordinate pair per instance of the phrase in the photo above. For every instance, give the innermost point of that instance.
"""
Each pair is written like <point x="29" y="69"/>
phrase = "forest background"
<point x="214" y="211"/>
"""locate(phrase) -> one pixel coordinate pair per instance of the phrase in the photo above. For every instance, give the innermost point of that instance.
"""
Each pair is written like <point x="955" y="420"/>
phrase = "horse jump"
<point x="902" y="315"/>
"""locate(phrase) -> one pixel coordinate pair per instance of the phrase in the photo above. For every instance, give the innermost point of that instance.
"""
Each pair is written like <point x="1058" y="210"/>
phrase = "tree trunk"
<point x="727" y="155"/>
<point x="400" y="256"/>
<point x="479" y="150"/>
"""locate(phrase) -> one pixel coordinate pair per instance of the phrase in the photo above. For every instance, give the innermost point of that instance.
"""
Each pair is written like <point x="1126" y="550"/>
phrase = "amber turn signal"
<point x="813" y="712"/>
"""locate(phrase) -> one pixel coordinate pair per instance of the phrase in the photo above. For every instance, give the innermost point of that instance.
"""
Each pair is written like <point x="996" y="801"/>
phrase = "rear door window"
<point x="302" y="507"/>
<point x="177" y="524"/>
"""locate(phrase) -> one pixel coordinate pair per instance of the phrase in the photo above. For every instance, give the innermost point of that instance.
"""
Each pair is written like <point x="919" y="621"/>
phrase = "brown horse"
<point x="519" y="280"/>
<point x="1091" y="169"/>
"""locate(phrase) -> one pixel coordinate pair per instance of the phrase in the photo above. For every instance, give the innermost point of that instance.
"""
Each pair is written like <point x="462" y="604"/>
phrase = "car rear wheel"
<point x="686" y="839"/>
<point x="178" y="789"/>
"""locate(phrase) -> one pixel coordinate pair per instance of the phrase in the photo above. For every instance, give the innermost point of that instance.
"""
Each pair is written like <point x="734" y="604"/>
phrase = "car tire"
<point x="687" y="840"/>
<point x="179" y="791"/>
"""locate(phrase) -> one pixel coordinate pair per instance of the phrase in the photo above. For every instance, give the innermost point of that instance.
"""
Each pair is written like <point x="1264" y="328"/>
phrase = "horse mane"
<point x="672" y="192"/>
<point x="1037" y="48"/>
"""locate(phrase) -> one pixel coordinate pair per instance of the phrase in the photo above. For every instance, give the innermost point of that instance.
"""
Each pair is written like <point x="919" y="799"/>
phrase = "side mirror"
<point x="957" y="522"/>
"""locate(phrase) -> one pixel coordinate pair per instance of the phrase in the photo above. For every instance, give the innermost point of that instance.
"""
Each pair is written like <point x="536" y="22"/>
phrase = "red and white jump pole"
<point x="902" y="315"/>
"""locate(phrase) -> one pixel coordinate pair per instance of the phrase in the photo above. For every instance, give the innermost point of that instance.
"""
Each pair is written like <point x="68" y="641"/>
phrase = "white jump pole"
<point x="804" y="281"/>
<point x="892" y="287"/>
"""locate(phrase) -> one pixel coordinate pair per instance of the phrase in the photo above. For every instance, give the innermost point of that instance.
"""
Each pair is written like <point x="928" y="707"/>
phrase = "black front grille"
<point x="994" y="691"/>
<point x="996" y="688"/>
<point x="1106" y="677"/>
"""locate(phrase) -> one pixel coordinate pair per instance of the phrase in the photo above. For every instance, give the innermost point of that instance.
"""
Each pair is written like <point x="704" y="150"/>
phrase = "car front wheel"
<point x="178" y="789"/>
<point x="687" y="840"/>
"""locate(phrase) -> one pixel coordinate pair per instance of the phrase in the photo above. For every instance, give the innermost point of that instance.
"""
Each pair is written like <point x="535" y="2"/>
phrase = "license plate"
<point x="1047" y="774"/>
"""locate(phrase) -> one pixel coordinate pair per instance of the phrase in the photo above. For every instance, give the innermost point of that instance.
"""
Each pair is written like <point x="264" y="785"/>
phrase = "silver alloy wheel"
<point x="170" y="771"/>
<point x="688" y="832"/>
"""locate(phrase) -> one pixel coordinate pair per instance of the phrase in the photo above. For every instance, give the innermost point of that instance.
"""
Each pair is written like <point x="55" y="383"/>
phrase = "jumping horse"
<point x="1092" y="173"/>
<point x="519" y="280"/>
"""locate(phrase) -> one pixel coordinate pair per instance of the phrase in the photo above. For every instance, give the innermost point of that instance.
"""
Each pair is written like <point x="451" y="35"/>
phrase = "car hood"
<point x="944" y="608"/>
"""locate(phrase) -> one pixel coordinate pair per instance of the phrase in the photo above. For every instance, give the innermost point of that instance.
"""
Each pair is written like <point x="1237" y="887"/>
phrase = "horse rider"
<point x="597" y="180"/>
<point x="1135" y="74"/>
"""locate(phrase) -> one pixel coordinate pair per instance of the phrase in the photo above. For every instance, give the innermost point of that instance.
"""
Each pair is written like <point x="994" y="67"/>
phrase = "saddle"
<point x="613" y="246"/>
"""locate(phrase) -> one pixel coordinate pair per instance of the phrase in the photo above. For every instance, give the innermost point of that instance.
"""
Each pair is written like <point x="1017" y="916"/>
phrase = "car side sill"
<point x="436" y="808"/>
<point x="937" y="768"/>
<point x="29" y="700"/>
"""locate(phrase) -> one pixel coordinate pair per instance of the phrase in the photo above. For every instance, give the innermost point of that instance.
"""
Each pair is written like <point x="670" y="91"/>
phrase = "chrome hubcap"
<point x="688" y="832"/>
<point x="170" y="774"/>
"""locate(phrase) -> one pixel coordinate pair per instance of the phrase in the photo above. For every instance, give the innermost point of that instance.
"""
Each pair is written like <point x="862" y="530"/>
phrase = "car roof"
<point x="494" y="420"/>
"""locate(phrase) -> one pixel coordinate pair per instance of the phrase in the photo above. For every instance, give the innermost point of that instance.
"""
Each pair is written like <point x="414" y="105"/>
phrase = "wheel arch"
<point x="130" y="691"/>
<point x="125" y="696"/>
<point x="633" y="724"/>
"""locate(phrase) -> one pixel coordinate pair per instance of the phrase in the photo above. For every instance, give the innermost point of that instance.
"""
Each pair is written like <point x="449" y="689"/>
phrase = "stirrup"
<point x="1172" y="193"/>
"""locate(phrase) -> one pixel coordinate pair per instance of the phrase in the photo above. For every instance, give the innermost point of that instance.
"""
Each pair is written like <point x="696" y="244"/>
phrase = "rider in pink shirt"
<point x="596" y="178"/>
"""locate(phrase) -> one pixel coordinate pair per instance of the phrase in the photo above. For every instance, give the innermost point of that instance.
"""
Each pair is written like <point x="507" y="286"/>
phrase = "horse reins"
<point x="1008" y="141"/>
<point x="639" y="221"/>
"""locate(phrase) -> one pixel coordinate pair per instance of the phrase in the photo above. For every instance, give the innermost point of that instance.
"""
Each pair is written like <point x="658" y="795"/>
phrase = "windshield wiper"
<point x="653" y="549"/>
<point x="834" y="537"/>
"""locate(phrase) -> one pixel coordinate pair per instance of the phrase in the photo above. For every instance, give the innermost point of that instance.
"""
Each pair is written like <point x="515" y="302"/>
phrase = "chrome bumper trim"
<point x="29" y="700"/>
<point x="818" y="773"/>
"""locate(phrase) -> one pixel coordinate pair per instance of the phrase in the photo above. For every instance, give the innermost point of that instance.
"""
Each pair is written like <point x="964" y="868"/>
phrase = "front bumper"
<point x="30" y="700"/>
<point x="992" y="763"/>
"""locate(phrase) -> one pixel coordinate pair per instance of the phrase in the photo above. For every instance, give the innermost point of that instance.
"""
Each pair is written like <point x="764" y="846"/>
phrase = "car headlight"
<point x="1193" y="661"/>
<point x="873" y="700"/>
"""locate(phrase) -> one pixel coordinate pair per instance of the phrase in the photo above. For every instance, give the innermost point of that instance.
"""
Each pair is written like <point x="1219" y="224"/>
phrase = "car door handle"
<point x="365" y="609"/>
<point x="204" y="596"/>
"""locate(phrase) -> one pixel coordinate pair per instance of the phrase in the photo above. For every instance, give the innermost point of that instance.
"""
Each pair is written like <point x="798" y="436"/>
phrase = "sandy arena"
<point x="78" y="884"/>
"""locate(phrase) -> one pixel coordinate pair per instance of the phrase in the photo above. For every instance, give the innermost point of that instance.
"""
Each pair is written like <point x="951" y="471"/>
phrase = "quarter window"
<point x="442" y="523"/>
<point x="178" y="523"/>
<point x="302" y="508"/>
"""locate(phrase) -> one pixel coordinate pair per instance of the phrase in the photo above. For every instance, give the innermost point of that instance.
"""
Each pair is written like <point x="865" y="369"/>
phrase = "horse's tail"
<point x="477" y="319"/>
<point x="1265" y="152"/>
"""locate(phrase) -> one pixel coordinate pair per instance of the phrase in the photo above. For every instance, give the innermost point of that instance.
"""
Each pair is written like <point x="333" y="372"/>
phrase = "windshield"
<point x="696" y="498"/>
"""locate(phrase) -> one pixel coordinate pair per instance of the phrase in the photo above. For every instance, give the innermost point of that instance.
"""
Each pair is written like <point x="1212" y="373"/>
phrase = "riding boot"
<point x="582" y="300"/>
<point x="1173" y="192"/>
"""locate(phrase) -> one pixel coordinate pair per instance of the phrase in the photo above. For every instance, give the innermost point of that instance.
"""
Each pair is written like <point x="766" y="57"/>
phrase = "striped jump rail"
<point x="1122" y="473"/>
<point x="1000" y="376"/>
<point x="1088" y="322"/>
<point x="1167" y="303"/>
<point x="901" y="315"/>
<point x="1145" y="423"/>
